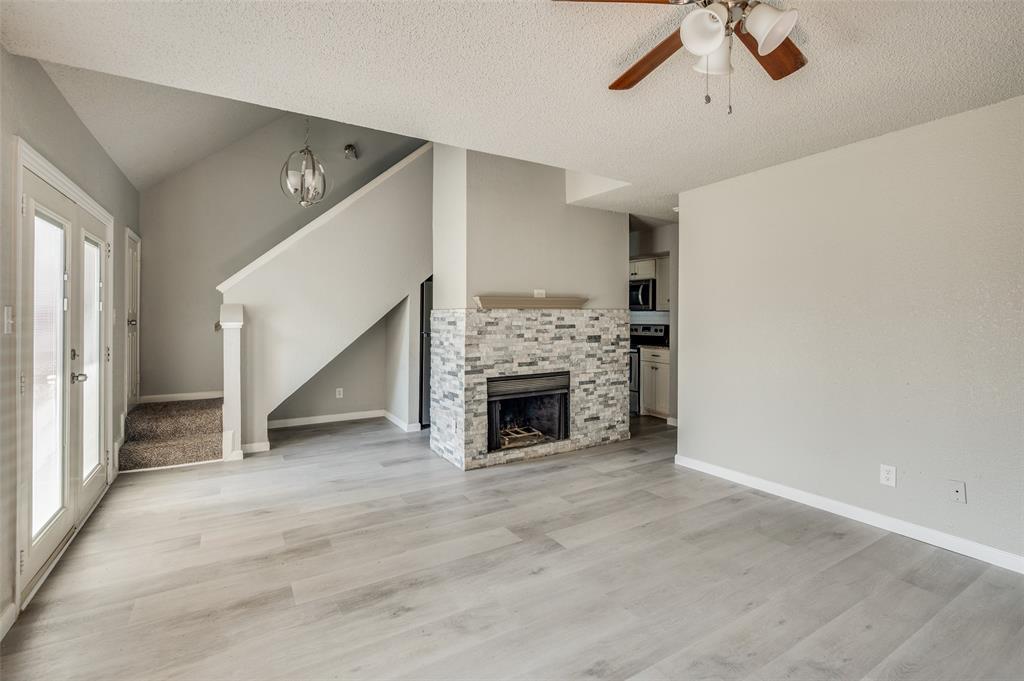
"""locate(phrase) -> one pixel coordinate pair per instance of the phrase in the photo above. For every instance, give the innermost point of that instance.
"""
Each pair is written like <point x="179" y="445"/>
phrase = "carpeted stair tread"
<point x="167" y="420"/>
<point x="151" y="453"/>
<point x="172" y="433"/>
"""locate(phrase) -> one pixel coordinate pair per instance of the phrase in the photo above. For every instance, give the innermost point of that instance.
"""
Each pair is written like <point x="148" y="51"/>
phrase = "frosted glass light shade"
<point x="303" y="178"/>
<point x="769" y="26"/>
<point x="719" y="62"/>
<point x="703" y="30"/>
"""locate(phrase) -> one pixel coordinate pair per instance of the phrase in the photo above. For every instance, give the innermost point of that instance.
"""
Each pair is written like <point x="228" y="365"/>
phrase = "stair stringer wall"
<point x="325" y="286"/>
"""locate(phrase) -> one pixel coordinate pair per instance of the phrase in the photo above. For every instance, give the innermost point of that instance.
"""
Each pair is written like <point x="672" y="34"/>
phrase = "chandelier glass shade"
<point x="302" y="177"/>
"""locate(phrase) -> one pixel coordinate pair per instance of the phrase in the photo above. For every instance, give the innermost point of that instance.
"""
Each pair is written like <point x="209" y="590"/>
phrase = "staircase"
<point x="171" y="434"/>
<point x="308" y="298"/>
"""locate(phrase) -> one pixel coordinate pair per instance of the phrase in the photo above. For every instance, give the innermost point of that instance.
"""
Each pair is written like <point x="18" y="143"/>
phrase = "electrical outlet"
<point x="540" y="293"/>
<point x="887" y="475"/>
<point x="957" y="491"/>
<point x="339" y="393"/>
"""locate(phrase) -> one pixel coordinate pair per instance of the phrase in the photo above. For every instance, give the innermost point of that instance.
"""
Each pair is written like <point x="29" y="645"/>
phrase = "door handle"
<point x="78" y="378"/>
<point x="133" y="322"/>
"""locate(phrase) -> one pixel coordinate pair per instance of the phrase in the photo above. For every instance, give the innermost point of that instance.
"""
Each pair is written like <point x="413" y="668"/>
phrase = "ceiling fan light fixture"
<point x="703" y="30"/>
<point x="769" y="26"/>
<point x="719" y="62"/>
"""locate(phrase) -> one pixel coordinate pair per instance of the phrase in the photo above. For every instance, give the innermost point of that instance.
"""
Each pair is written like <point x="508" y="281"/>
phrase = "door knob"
<point x="133" y="322"/>
<point x="78" y="378"/>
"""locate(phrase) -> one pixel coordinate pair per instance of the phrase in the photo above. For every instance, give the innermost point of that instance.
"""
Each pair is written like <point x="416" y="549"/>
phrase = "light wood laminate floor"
<point x="350" y="551"/>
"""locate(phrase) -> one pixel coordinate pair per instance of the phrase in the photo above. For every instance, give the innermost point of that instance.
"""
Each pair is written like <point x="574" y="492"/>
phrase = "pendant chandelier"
<point x="302" y="177"/>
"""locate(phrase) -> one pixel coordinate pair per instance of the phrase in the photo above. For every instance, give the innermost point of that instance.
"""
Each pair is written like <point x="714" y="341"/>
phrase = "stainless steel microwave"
<point x="641" y="294"/>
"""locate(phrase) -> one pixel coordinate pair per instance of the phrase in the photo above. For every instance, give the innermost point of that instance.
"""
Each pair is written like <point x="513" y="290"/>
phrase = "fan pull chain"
<point x="707" y="77"/>
<point x="730" y="93"/>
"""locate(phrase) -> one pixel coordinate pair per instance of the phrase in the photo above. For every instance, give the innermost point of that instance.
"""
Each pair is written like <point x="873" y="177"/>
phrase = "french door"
<point x="62" y="351"/>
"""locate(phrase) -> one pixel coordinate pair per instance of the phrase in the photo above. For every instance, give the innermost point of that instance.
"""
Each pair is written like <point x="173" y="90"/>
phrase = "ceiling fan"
<point x="707" y="31"/>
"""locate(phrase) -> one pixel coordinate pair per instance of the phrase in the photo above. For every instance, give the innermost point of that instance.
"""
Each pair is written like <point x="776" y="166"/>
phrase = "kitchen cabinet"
<point x="655" y="377"/>
<point x="663" y="284"/>
<point x="642" y="269"/>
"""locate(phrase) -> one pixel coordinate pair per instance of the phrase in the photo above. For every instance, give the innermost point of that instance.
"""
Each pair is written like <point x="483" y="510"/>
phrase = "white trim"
<point x="32" y="160"/>
<point x="7" y="618"/>
<point x="180" y="397"/>
<point x="967" y="547"/>
<point x="672" y="421"/>
<point x="407" y="427"/>
<point x="173" y="465"/>
<point x="325" y="418"/>
<point x="255" y="447"/>
<point x="322" y="220"/>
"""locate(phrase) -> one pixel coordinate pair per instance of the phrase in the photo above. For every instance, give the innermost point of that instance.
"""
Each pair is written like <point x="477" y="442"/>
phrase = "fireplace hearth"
<point x="527" y="410"/>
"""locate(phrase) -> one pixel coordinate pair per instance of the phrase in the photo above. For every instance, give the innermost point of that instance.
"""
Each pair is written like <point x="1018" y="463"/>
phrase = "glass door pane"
<point x="91" y="364"/>
<point x="47" y="372"/>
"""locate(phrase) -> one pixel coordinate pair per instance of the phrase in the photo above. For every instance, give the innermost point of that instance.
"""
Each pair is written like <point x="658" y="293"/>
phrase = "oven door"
<point x="641" y="294"/>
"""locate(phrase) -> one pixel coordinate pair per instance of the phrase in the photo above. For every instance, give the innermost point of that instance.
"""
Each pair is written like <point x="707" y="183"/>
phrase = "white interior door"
<point x="133" y="270"/>
<point x="62" y="341"/>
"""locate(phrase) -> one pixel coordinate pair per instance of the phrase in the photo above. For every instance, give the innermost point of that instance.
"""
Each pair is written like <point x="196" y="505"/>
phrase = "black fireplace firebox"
<point x="527" y="410"/>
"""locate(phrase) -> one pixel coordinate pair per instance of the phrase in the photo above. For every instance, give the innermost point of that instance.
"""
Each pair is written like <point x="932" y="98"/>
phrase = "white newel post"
<point x="231" y="319"/>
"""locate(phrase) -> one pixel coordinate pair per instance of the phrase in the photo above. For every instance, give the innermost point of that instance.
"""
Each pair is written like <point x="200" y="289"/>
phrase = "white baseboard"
<point x="325" y="418"/>
<point x="967" y="547"/>
<point x="348" y="416"/>
<point x="407" y="427"/>
<point x="180" y="397"/>
<point x="672" y="421"/>
<point x="254" y="447"/>
<point x="7" y="618"/>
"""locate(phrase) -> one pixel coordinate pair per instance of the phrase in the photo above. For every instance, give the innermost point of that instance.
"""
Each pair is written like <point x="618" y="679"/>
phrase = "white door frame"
<point x="129" y="235"/>
<point x="27" y="158"/>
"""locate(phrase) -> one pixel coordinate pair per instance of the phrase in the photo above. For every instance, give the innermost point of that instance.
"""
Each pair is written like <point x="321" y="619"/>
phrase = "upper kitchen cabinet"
<point x="663" y="284"/>
<point x="642" y="269"/>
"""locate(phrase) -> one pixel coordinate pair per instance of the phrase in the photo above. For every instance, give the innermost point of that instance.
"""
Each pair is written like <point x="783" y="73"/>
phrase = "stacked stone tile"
<point x="470" y="346"/>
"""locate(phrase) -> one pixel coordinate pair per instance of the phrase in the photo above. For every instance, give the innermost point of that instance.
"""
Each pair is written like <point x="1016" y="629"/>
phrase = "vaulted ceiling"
<point x="528" y="79"/>
<point x="151" y="131"/>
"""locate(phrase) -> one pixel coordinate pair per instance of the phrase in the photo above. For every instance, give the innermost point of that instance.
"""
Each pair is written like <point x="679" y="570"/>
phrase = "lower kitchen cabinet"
<point x="654" y="388"/>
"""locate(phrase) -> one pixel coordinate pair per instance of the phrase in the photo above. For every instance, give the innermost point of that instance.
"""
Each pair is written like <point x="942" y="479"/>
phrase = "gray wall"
<point x="864" y="306"/>
<point x="208" y="221"/>
<point x="31" y="107"/>
<point x="523" y="236"/>
<point x="650" y="236"/>
<point x="359" y="370"/>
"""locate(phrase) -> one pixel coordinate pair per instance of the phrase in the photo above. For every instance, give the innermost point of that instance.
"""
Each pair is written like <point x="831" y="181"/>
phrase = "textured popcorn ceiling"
<point x="529" y="79"/>
<point x="152" y="131"/>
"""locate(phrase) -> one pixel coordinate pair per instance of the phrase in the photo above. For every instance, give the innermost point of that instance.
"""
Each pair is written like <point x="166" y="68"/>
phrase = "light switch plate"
<point x="958" y="491"/>
<point x="887" y="475"/>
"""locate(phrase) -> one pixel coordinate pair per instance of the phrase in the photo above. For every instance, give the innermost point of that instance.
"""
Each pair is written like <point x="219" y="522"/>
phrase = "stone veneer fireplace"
<point x="577" y="361"/>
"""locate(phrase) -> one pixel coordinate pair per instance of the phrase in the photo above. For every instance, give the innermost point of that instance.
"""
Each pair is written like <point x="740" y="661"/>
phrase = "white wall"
<point x="523" y="236"/>
<point x="449" y="227"/>
<point x="31" y="107"/>
<point x="864" y="306"/>
<point x="209" y="220"/>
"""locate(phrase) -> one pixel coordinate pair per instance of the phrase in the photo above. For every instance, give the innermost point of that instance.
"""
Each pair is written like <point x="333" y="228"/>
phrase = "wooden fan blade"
<point x="649" y="2"/>
<point x="650" y="61"/>
<point x="780" y="62"/>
